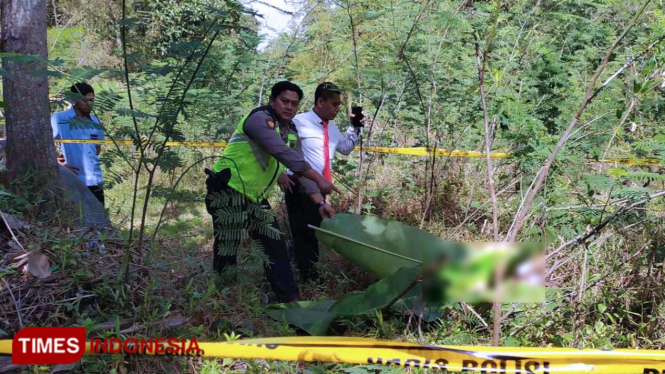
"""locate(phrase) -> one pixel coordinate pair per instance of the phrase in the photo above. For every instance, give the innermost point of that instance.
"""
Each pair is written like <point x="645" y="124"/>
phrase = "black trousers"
<point x="232" y="214"/>
<point x="98" y="191"/>
<point x="302" y="212"/>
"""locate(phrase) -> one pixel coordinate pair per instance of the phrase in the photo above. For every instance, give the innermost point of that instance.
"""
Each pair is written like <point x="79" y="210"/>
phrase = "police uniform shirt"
<point x="258" y="128"/>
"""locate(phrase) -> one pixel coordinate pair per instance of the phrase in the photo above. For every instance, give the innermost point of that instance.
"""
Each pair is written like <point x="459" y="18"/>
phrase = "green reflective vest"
<point x="253" y="170"/>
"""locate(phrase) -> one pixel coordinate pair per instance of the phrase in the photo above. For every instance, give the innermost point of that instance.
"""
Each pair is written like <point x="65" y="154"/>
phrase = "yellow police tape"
<point x="416" y="151"/>
<point x="366" y="351"/>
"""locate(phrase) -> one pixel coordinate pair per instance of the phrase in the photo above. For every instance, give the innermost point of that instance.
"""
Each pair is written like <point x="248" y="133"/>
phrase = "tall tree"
<point x="30" y="148"/>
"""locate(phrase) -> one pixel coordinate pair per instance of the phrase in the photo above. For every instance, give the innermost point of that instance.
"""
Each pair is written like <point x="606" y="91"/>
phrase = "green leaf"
<point x="645" y="176"/>
<point x="310" y="316"/>
<point x="660" y="138"/>
<point x="550" y="235"/>
<point x="86" y="73"/>
<point x="382" y="247"/>
<point x="602" y="308"/>
<point x="599" y="182"/>
<point x="6" y="193"/>
<point x="617" y="172"/>
<point x="599" y="326"/>
<point x="315" y="318"/>
<point x="21" y="58"/>
<point x="129" y="22"/>
<point x="610" y="317"/>
<point x="370" y="15"/>
<point x="45" y="73"/>
<point x="512" y="342"/>
<point x="133" y="113"/>
<point x="380" y="293"/>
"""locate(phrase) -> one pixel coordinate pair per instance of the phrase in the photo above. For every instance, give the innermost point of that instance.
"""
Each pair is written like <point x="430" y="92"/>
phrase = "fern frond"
<point x="645" y="176"/>
<point x="631" y="193"/>
<point x="258" y="248"/>
<point x="265" y="230"/>
<point x="230" y="235"/>
<point x="226" y="217"/>
<point x="261" y="214"/>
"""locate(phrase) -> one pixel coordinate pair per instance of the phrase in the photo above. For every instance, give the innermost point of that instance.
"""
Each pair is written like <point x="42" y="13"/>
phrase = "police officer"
<point x="263" y="144"/>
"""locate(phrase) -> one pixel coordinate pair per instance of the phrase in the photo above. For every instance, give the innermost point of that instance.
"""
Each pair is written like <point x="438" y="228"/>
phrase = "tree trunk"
<point x="30" y="146"/>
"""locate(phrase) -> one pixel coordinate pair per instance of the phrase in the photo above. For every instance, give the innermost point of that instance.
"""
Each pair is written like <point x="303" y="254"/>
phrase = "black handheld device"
<point x="357" y="112"/>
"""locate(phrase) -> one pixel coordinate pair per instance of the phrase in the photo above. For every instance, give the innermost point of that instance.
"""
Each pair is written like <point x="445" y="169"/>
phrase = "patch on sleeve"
<point x="270" y="123"/>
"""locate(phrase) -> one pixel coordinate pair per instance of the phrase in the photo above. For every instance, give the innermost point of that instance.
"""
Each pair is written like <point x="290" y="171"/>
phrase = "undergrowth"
<point x="172" y="291"/>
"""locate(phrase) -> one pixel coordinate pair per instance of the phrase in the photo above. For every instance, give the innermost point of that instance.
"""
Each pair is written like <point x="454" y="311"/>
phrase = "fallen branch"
<point x="429" y="269"/>
<point x="404" y="292"/>
<point x="467" y="306"/>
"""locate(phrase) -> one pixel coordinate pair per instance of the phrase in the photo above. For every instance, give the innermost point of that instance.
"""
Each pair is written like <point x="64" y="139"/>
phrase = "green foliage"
<point x="12" y="203"/>
<point x="312" y="317"/>
<point x="316" y="318"/>
<point x="173" y="25"/>
<point x="235" y="218"/>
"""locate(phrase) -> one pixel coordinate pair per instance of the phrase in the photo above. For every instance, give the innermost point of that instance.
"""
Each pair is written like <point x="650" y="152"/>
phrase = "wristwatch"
<point x="321" y="203"/>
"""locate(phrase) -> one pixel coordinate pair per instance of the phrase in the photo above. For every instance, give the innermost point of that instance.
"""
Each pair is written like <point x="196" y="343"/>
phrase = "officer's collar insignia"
<point x="270" y="123"/>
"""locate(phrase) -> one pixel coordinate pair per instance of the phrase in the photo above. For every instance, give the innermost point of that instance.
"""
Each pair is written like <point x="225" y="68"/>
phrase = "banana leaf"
<point x="380" y="293"/>
<point x="316" y="318"/>
<point x="381" y="246"/>
<point x="310" y="316"/>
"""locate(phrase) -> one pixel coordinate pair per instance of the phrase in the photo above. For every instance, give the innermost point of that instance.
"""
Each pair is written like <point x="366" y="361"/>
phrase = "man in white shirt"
<point x="320" y="139"/>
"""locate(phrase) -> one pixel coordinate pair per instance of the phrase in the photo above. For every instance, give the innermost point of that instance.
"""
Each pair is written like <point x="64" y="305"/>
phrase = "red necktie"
<point x="326" y="152"/>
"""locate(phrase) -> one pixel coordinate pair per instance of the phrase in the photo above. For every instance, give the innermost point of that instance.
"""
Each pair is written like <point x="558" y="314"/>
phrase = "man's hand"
<point x="322" y="183"/>
<point x="61" y="161"/>
<point x="326" y="211"/>
<point x="326" y="186"/>
<point x="362" y="120"/>
<point x="285" y="182"/>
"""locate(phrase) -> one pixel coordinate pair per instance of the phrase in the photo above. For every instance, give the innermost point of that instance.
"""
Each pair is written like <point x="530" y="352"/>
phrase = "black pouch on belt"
<point x="215" y="182"/>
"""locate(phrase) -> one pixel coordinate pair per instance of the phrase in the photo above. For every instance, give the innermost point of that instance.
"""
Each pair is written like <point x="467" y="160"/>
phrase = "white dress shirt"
<point x="310" y="134"/>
